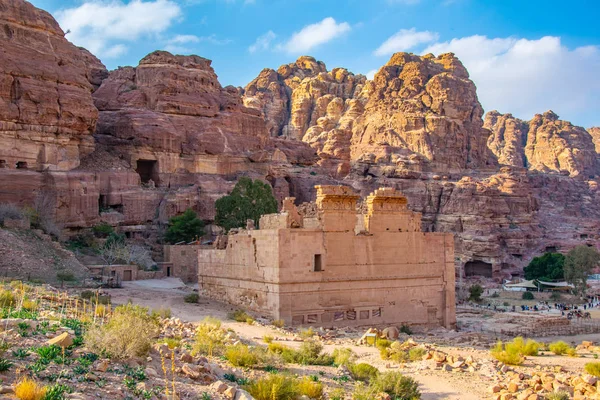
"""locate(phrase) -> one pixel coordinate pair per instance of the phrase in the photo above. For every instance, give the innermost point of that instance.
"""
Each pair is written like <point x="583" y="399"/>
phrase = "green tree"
<point x="184" y="228"/>
<point x="248" y="200"/>
<point x="579" y="263"/>
<point x="475" y="292"/>
<point x="548" y="267"/>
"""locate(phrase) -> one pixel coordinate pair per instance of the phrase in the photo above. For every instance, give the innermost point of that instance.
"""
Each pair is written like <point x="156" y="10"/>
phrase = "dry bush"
<point x="191" y="298"/>
<point x="363" y="372"/>
<point x="241" y="355"/>
<point x="343" y="356"/>
<point x="129" y="333"/>
<point x="559" y="348"/>
<point x="506" y="355"/>
<point x="279" y="323"/>
<point x="28" y="389"/>
<point x="274" y="386"/>
<point x="7" y="298"/>
<point x="10" y="211"/>
<point x="240" y="316"/>
<point x="309" y="388"/>
<point x="558" y="396"/>
<point x="593" y="368"/>
<point x="210" y="338"/>
<point x="416" y="353"/>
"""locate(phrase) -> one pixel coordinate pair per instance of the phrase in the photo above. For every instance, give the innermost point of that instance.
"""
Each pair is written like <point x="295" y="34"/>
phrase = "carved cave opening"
<point x="21" y="164"/>
<point x="478" y="268"/>
<point x="3" y="164"/>
<point x="147" y="170"/>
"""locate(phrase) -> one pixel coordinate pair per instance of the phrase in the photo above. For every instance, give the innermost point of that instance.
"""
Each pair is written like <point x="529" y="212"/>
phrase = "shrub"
<point x="30" y="305"/>
<point x="307" y="333"/>
<point x="558" y="396"/>
<point x="309" y="353"/>
<point x="10" y="211"/>
<point x="7" y="298"/>
<point x="337" y="394"/>
<point x="162" y="312"/>
<point x="268" y="339"/>
<point x="593" y="368"/>
<point x="528" y="296"/>
<point x="28" y="389"/>
<point x="210" y="338"/>
<point x="279" y="323"/>
<point x="559" y="348"/>
<point x="475" y="292"/>
<point x="239" y="316"/>
<point x="192" y="298"/>
<point x="522" y="347"/>
<point x="398" y="386"/>
<point x="310" y="388"/>
<point x="129" y="332"/>
<point x="363" y="372"/>
<point x="184" y="228"/>
<point x="416" y="353"/>
<point x="241" y="355"/>
<point x="506" y="355"/>
<point x="274" y="386"/>
<point x="343" y="356"/>
<point x="383" y="344"/>
<point x="102" y="230"/>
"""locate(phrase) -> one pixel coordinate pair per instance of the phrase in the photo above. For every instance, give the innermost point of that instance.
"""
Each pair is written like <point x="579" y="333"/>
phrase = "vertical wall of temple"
<point x="333" y="271"/>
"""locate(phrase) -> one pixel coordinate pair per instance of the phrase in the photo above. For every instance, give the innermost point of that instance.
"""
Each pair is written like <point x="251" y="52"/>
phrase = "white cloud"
<point x="177" y="44"/>
<point x="371" y="73"/>
<point x="263" y="42"/>
<point x="315" y="34"/>
<point x="102" y="26"/>
<point x="115" y="51"/>
<point x="525" y="77"/>
<point x="405" y="39"/>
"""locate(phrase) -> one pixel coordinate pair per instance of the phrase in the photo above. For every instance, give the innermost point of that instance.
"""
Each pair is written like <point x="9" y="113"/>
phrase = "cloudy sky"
<point x="525" y="56"/>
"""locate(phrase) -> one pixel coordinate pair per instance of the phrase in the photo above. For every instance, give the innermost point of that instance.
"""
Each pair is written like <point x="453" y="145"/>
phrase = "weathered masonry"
<point x="339" y="268"/>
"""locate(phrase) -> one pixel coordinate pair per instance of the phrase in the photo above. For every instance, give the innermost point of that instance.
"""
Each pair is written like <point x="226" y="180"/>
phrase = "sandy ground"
<point x="169" y="293"/>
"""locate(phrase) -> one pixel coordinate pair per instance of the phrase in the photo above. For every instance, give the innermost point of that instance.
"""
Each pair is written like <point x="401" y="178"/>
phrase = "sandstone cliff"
<point x="47" y="116"/>
<point x="595" y="132"/>
<point x="544" y="144"/>
<point x="417" y="113"/>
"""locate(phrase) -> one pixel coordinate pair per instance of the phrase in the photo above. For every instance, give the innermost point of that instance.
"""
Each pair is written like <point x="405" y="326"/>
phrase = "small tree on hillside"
<point x="475" y="292"/>
<point x="579" y="263"/>
<point x="248" y="200"/>
<point x="184" y="228"/>
<point x="548" y="267"/>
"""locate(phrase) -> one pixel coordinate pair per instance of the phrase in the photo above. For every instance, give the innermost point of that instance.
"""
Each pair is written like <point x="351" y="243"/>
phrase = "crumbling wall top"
<point x="336" y="197"/>
<point x="386" y="200"/>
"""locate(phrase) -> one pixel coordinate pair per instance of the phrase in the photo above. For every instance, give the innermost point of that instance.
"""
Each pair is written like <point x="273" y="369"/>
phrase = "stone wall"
<point x="331" y="275"/>
<point x="184" y="260"/>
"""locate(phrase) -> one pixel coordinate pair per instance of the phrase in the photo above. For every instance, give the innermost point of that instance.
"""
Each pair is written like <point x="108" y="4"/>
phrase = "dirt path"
<point x="169" y="293"/>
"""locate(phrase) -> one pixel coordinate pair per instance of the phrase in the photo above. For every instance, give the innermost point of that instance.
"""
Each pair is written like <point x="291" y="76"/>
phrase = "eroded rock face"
<point x="595" y="132"/>
<point x="418" y="112"/>
<point x="47" y="116"/>
<point x="544" y="144"/>
<point x="172" y="109"/>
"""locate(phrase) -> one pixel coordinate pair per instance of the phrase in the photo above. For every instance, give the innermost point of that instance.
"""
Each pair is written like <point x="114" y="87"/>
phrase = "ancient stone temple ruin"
<point x="339" y="268"/>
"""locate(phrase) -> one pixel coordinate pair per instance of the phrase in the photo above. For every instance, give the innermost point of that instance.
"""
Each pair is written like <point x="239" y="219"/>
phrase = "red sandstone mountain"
<point x="417" y="126"/>
<point x="47" y="116"/>
<point x="544" y="144"/>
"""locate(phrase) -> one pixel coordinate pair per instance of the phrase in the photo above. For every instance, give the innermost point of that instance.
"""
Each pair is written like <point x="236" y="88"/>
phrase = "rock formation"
<point x="595" y="132"/>
<point x="417" y="110"/>
<point x="544" y="144"/>
<point x="47" y="116"/>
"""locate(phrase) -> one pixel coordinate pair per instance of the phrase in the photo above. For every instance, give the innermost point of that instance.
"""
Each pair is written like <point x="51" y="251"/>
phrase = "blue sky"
<point x="525" y="56"/>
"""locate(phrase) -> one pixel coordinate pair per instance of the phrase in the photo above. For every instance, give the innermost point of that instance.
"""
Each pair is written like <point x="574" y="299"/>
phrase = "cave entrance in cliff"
<point x="478" y="268"/>
<point x="147" y="170"/>
<point x="21" y="164"/>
